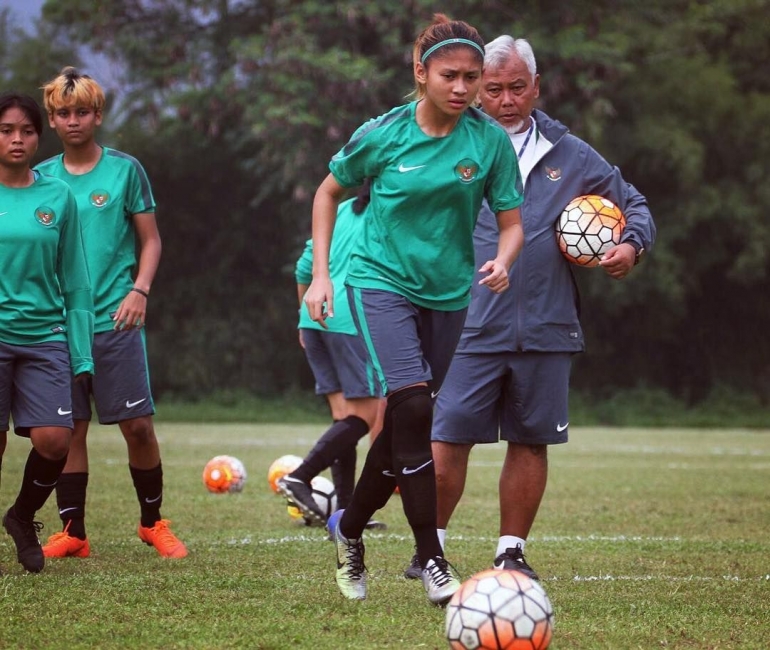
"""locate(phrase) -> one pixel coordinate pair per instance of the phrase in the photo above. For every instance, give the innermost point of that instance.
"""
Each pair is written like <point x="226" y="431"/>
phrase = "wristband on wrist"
<point x="141" y="292"/>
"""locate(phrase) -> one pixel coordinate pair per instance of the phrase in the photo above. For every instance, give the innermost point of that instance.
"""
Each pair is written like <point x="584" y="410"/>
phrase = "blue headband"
<point x="451" y="41"/>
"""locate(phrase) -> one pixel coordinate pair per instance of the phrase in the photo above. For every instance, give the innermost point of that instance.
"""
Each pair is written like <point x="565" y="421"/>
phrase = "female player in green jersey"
<point x="117" y="212"/>
<point x="43" y="276"/>
<point x="433" y="162"/>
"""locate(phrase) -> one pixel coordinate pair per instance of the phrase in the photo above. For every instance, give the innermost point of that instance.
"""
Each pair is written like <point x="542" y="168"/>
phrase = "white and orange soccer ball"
<point x="499" y="610"/>
<point x="280" y="467"/>
<point x="224" y="474"/>
<point x="587" y="228"/>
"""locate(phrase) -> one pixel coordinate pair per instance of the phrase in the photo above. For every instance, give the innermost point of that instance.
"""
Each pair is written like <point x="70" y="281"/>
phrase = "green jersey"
<point x="45" y="292"/>
<point x="108" y="197"/>
<point x="426" y="195"/>
<point x="347" y="231"/>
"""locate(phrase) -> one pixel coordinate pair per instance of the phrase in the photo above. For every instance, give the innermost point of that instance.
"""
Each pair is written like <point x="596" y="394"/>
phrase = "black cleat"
<point x="301" y="494"/>
<point x="414" y="570"/>
<point x="24" y="534"/>
<point x="513" y="560"/>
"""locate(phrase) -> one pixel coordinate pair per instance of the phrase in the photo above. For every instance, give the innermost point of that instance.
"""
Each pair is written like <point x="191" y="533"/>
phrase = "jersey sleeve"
<point x="303" y="271"/>
<point x="75" y="283"/>
<point x="504" y="189"/>
<point x="357" y="160"/>
<point x="140" y="198"/>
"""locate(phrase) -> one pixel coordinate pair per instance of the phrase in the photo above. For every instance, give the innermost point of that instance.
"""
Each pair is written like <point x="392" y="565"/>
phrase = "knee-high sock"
<point x="413" y="466"/>
<point x="148" y="484"/>
<point x="71" y="499"/>
<point x="40" y="477"/>
<point x="375" y="485"/>
<point x="344" y="476"/>
<point x="338" y="439"/>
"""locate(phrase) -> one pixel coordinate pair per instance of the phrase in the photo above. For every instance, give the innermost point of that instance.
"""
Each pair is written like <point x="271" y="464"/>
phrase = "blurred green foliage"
<point x="236" y="106"/>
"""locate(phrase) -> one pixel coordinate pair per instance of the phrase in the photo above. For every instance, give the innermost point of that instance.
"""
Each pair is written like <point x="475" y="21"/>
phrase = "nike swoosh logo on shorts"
<point x="130" y="405"/>
<point x="387" y="472"/>
<point x="407" y="471"/>
<point x="157" y="498"/>
<point x="561" y="427"/>
<point x="434" y="395"/>
<point x="63" y="510"/>
<point x="60" y="412"/>
<point x="404" y="169"/>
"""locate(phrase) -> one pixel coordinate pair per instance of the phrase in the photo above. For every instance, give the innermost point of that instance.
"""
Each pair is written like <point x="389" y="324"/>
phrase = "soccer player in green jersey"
<point x="117" y="211"/>
<point x="46" y="317"/>
<point x="432" y="163"/>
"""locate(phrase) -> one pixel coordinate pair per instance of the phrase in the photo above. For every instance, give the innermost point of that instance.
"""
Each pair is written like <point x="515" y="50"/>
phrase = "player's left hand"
<point x="619" y="260"/>
<point x="497" y="278"/>
<point x="131" y="313"/>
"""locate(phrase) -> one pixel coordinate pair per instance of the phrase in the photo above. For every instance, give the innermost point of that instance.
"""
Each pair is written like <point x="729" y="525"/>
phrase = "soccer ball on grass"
<point x="499" y="610"/>
<point x="224" y="474"/>
<point x="280" y="467"/>
<point x="587" y="228"/>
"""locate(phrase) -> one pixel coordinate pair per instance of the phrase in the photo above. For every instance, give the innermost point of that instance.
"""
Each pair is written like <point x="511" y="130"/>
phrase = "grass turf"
<point x="646" y="538"/>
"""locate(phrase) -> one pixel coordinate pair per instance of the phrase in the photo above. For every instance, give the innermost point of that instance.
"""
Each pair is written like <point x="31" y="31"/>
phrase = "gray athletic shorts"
<point x="407" y="344"/>
<point x="35" y="386"/>
<point x="519" y="397"/>
<point x="121" y="382"/>
<point x="340" y="364"/>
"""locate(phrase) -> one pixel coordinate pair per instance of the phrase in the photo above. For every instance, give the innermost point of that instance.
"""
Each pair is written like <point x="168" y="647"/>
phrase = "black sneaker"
<point x="513" y="560"/>
<point x="24" y="534"/>
<point x="414" y="570"/>
<point x="301" y="494"/>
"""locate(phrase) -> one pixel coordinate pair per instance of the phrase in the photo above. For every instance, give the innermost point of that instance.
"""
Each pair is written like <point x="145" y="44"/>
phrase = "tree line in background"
<point x="235" y="107"/>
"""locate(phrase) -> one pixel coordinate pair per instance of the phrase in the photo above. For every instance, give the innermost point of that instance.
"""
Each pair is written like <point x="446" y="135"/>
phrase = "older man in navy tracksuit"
<point x="509" y="378"/>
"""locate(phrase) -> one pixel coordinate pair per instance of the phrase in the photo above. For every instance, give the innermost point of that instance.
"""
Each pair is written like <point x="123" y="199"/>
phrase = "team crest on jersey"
<point x="45" y="215"/>
<point x="99" y="198"/>
<point x="466" y="170"/>
<point x="553" y="173"/>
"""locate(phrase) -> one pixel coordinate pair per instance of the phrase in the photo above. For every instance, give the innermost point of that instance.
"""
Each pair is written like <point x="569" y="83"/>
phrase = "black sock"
<point x="148" y="484"/>
<point x="375" y="485"/>
<point x="40" y="476"/>
<point x="71" y="499"/>
<point x="413" y="465"/>
<point x="344" y="476"/>
<point x="340" y="436"/>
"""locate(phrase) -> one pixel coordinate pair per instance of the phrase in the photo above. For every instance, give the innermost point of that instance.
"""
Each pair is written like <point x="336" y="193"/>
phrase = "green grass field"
<point x="647" y="538"/>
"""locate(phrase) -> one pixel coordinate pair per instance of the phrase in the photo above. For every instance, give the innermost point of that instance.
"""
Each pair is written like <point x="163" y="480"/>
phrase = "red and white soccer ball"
<point x="499" y="610"/>
<point x="280" y="467"/>
<point x="224" y="474"/>
<point x="587" y="228"/>
<point x="325" y="497"/>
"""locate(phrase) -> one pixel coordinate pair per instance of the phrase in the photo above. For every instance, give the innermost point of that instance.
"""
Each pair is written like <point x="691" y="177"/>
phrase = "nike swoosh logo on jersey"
<point x="60" y="412"/>
<point x="157" y="498"/>
<point x="2" y="213"/>
<point x="130" y="405"/>
<point x="407" y="470"/>
<point x="561" y="427"/>
<point x="404" y="169"/>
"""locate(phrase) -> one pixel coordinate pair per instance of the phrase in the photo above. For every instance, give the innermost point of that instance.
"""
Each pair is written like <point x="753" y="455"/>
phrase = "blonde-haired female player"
<point x="432" y="163"/>
<point x="117" y="210"/>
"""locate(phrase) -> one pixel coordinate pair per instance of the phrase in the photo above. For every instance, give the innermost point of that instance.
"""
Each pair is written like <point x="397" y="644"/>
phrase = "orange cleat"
<point x="165" y="542"/>
<point x="65" y="545"/>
